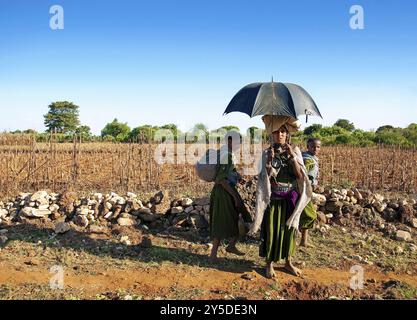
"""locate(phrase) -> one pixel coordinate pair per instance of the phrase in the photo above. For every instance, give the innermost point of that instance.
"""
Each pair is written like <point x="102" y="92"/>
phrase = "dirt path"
<point x="211" y="283"/>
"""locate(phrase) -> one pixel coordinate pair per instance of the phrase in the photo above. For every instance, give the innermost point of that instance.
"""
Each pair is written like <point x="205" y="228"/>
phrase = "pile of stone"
<point x="188" y="213"/>
<point x="345" y="207"/>
<point x="98" y="209"/>
<point x="348" y="207"/>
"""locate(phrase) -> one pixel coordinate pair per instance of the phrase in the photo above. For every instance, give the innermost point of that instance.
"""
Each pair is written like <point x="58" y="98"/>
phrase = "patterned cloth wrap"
<point x="284" y="191"/>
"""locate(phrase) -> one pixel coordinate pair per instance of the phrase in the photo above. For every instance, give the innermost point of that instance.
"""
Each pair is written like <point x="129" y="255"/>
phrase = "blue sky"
<point x="182" y="61"/>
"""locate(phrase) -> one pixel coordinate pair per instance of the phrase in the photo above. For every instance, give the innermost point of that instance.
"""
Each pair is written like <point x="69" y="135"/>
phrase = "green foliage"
<point x="119" y="131"/>
<point x="393" y="136"/>
<point x="62" y="117"/>
<point x="145" y="133"/>
<point x="345" y="124"/>
<point x="311" y="130"/>
<point x="84" y="132"/>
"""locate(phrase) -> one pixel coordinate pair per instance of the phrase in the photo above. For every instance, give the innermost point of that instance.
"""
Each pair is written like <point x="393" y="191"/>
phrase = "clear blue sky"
<point x="182" y="61"/>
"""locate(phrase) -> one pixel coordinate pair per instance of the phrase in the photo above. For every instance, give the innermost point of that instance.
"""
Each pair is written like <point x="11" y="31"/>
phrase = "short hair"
<point x="313" y="140"/>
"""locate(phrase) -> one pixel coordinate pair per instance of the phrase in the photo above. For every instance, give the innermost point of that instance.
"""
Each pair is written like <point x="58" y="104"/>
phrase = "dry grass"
<point x="26" y="166"/>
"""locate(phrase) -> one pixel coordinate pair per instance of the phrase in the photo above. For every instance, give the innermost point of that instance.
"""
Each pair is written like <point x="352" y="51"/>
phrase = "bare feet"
<point x="292" y="269"/>
<point x="234" y="250"/>
<point x="270" y="272"/>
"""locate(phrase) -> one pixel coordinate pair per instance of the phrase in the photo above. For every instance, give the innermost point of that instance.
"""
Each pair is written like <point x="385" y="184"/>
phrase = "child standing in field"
<point x="311" y="162"/>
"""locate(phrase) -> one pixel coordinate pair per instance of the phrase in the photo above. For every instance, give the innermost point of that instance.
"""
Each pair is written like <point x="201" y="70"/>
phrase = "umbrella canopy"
<point x="273" y="98"/>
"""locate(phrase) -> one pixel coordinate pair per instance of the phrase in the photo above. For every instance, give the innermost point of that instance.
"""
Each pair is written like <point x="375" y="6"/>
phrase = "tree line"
<point x="62" y="119"/>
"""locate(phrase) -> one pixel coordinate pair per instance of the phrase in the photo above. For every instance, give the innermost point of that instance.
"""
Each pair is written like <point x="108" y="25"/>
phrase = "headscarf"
<point x="274" y="123"/>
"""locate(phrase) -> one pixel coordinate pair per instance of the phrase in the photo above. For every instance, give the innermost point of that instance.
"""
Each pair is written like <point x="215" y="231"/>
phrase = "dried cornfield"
<point x="27" y="166"/>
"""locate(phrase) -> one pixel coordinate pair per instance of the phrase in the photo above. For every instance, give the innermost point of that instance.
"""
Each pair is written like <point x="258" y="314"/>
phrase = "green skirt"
<point x="277" y="240"/>
<point x="308" y="216"/>
<point x="224" y="216"/>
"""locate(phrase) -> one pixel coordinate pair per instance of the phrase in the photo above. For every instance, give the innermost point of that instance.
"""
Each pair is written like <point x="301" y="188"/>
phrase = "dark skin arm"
<point x="297" y="169"/>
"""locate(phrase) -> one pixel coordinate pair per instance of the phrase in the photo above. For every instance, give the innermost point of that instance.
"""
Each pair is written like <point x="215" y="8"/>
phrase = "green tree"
<point x="143" y="133"/>
<point x="174" y="129"/>
<point x="411" y="134"/>
<point x="345" y="124"/>
<point x="386" y="127"/>
<point x="119" y="131"/>
<point x="198" y="128"/>
<point x="62" y="116"/>
<point x="391" y="136"/>
<point x="314" y="128"/>
<point x="231" y="128"/>
<point x="84" y="132"/>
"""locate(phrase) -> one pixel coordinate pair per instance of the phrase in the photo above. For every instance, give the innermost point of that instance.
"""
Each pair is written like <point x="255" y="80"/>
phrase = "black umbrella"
<point x="273" y="98"/>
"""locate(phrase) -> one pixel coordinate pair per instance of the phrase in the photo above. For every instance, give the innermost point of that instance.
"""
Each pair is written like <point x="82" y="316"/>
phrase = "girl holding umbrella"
<point x="283" y="188"/>
<point x="282" y="194"/>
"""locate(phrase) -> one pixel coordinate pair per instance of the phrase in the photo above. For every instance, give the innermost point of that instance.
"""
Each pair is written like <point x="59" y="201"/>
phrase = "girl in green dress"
<point x="283" y="191"/>
<point x="225" y="204"/>
<point x="277" y="239"/>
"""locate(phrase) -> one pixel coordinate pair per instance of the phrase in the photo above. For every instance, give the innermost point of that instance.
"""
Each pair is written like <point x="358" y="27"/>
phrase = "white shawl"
<point x="263" y="193"/>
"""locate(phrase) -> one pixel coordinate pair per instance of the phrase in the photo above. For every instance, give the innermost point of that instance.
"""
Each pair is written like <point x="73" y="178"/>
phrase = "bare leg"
<point x="270" y="272"/>
<point x="231" y="248"/>
<point x="305" y="242"/>
<point x="213" y="254"/>
<point x="291" y="268"/>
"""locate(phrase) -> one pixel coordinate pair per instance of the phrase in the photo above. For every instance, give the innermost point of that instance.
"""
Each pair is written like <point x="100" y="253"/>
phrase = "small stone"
<point x="35" y="213"/>
<point x="403" y="235"/>
<point x="186" y="202"/>
<point x="329" y="216"/>
<point x="3" y="231"/>
<point x="53" y="208"/>
<point x="379" y="206"/>
<point x="131" y="195"/>
<point x="145" y="210"/>
<point x="188" y="209"/>
<point x="414" y="223"/>
<point x="108" y="215"/>
<point x="319" y="199"/>
<point x="176" y="210"/>
<point x="378" y="197"/>
<point x="248" y="276"/>
<point x="125" y="240"/>
<point x="3" y="239"/>
<point x="81" y="221"/>
<point x="96" y="229"/>
<point x="126" y="222"/>
<point x="62" y="227"/>
<point x="147" y="217"/>
<point x="3" y="213"/>
<point x="334" y="207"/>
<point x="39" y="196"/>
